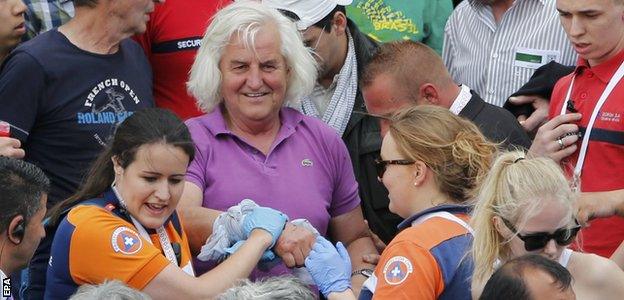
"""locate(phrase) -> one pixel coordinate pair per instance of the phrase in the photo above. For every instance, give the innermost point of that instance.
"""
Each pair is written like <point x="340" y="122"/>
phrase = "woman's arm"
<point x="602" y="277"/>
<point x="173" y="283"/>
<point x="261" y="227"/>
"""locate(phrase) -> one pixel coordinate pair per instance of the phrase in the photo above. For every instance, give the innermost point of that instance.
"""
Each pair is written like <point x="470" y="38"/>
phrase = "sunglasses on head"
<point x="382" y="164"/>
<point x="535" y="241"/>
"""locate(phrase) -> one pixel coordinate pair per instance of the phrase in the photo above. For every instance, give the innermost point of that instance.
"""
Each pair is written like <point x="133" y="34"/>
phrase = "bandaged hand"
<point x="265" y="218"/>
<point x="330" y="267"/>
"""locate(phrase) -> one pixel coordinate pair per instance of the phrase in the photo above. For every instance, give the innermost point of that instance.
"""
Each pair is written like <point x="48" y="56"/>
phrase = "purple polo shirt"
<point x="307" y="173"/>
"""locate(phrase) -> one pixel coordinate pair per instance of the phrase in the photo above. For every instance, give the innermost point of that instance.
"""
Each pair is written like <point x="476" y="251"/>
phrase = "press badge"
<point x="534" y="58"/>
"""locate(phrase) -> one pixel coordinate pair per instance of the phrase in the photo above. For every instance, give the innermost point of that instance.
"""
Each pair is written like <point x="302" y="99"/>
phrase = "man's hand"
<point x="599" y="205"/>
<point x="11" y="147"/>
<point x="379" y="244"/>
<point x="294" y="245"/>
<point x="538" y="117"/>
<point x="557" y="138"/>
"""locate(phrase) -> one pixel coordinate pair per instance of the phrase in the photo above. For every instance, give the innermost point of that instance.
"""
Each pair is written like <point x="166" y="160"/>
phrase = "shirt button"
<point x="590" y="75"/>
<point x="495" y="55"/>
<point x="491" y="92"/>
<point x="583" y="95"/>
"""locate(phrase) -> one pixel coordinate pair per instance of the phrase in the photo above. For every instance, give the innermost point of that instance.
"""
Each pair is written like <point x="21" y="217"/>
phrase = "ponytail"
<point x="513" y="190"/>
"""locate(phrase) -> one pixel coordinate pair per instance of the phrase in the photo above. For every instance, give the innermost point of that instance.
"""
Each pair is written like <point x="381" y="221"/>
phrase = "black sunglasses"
<point x="536" y="241"/>
<point x="382" y="164"/>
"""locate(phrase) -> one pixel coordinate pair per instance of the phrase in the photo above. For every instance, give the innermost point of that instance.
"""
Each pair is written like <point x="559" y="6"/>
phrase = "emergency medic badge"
<point x="126" y="241"/>
<point x="397" y="269"/>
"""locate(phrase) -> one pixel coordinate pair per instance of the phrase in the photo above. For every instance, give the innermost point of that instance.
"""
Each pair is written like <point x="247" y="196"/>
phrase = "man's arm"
<point x="350" y="229"/>
<point x="601" y="205"/>
<point x="198" y="220"/>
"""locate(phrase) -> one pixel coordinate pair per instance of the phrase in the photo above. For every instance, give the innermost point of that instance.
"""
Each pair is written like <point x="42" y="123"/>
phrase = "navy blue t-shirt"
<point x="65" y="103"/>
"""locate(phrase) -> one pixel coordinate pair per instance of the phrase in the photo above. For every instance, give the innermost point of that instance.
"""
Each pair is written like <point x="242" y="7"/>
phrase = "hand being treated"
<point x="268" y="255"/>
<point x="265" y="218"/>
<point x="330" y="267"/>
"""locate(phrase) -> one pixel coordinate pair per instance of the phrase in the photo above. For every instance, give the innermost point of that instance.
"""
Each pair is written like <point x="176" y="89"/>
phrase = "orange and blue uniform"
<point x="427" y="260"/>
<point x="96" y="241"/>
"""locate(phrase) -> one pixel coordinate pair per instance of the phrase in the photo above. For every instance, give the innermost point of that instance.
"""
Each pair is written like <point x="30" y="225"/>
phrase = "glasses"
<point x="318" y="40"/>
<point x="382" y="164"/>
<point x="536" y="241"/>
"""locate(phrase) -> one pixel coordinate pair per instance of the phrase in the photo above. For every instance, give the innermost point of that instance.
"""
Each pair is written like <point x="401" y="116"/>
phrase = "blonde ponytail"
<point x="514" y="189"/>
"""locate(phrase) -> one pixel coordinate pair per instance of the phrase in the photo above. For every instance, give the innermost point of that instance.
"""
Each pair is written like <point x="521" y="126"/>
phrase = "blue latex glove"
<point x="265" y="218"/>
<point x="266" y="256"/>
<point x="330" y="267"/>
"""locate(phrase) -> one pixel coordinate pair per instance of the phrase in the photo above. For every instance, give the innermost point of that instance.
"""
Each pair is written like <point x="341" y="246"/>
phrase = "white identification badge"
<point x="534" y="58"/>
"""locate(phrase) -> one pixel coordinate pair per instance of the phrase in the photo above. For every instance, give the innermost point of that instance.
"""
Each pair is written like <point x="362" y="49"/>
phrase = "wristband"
<point x="364" y="272"/>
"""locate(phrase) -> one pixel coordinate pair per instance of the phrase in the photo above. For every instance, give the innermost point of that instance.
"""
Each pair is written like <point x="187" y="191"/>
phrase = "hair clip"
<point x="518" y="159"/>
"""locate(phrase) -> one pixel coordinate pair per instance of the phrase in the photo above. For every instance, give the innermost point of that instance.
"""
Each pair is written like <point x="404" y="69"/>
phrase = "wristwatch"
<point x="364" y="272"/>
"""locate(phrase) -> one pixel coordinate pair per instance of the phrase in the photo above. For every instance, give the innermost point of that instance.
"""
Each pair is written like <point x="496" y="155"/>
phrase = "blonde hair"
<point x="514" y="190"/>
<point x="452" y="147"/>
<point x="245" y="19"/>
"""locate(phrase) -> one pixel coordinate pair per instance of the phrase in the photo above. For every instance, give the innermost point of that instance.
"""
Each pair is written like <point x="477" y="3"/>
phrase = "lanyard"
<point x="603" y="98"/>
<point x="162" y="234"/>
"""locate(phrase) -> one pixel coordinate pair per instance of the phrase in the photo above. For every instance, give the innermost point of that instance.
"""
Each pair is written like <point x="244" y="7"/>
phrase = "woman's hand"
<point x="330" y="267"/>
<point x="266" y="218"/>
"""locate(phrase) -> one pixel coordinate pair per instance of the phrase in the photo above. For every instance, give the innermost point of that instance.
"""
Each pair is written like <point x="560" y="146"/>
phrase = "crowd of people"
<point x="302" y="149"/>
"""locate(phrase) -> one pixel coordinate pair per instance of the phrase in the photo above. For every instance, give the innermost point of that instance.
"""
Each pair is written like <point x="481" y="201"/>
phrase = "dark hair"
<point x="324" y="23"/>
<point x="87" y="3"/>
<point x="508" y="281"/>
<point x="144" y="127"/>
<point x="21" y="186"/>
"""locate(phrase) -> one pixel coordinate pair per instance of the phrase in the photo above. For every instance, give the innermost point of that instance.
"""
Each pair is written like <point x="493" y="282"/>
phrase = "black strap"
<point x="605" y="135"/>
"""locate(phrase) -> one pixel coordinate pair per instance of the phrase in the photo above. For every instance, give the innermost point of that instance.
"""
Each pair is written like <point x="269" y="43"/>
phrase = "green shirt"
<point x="390" y="20"/>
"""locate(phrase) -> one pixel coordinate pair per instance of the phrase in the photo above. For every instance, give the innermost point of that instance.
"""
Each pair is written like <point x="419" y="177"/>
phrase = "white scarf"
<point x="341" y="105"/>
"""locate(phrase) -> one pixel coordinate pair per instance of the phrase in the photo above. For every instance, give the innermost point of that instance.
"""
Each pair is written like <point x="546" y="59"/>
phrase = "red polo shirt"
<point x="171" y="41"/>
<point x="604" y="161"/>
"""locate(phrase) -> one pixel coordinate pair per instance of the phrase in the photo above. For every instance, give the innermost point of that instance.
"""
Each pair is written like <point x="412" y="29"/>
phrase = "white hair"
<point x="272" y="288"/>
<point x="245" y="19"/>
<point x="109" y="290"/>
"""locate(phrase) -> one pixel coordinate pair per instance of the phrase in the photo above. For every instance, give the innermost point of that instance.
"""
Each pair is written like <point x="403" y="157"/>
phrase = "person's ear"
<point x="419" y="173"/>
<point x="339" y="23"/>
<point x="429" y="94"/>
<point x="16" y="229"/>
<point x="500" y="227"/>
<point x="116" y="166"/>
